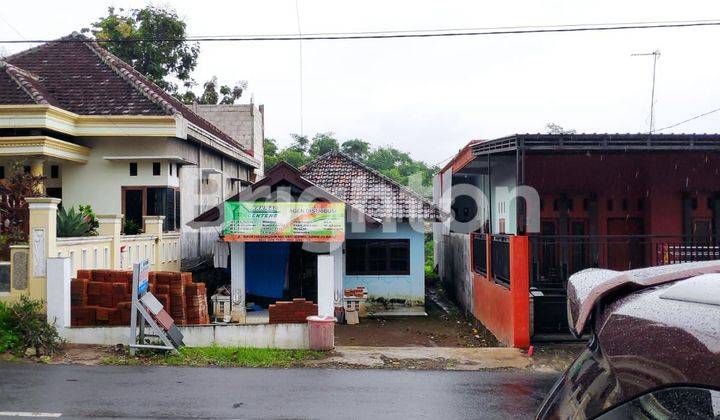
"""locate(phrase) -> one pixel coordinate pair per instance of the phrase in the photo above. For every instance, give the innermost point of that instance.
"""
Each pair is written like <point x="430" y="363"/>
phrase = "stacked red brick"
<point x="102" y="297"/>
<point x="292" y="312"/>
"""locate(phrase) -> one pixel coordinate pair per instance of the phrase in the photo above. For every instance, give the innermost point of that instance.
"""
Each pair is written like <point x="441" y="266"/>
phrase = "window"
<point x="54" y="171"/>
<point x="161" y="202"/>
<point x="377" y="257"/>
<point x="177" y="209"/>
<point x="156" y="168"/>
<point x="2" y="172"/>
<point x="133" y="168"/>
<point x="170" y="166"/>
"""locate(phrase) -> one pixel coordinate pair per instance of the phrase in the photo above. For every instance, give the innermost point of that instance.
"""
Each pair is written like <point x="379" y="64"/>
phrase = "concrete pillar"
<point x="111" y="225"/>
<point x="42" y="238"/>
<point x="326" y="284"/>
<point x="36" y="169"/>
<point x="339" y="276"/>
<point x="58" y="291"/>
<point x="237" y="281"/>
<point x="153" y="225"/>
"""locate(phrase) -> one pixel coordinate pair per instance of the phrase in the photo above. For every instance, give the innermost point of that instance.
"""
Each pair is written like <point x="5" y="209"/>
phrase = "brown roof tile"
<point x="367" y="189"/>
<point x="82" y="77"/>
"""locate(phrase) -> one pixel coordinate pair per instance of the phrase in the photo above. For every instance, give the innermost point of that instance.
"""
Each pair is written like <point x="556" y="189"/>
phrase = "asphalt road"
<point x="169" y="392"/>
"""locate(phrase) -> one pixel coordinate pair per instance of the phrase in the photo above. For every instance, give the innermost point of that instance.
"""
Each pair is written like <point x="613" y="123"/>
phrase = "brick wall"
<point x="292" y="312"/>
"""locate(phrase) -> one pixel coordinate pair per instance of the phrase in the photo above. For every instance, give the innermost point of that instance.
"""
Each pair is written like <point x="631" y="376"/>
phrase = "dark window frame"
<point x="156" y="169"/>
<point x="374" y="257"/>
<point x="133" y="167"/>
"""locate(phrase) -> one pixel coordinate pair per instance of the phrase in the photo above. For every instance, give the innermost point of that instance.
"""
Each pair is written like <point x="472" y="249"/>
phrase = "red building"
<point x="544" y="206"/>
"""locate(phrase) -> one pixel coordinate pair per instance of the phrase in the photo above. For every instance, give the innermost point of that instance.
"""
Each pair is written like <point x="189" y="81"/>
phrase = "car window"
<point x="670" y="403"/>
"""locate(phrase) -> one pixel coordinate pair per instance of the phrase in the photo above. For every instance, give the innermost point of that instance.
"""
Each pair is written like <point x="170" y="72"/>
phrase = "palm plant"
<point x="71" y="223"/>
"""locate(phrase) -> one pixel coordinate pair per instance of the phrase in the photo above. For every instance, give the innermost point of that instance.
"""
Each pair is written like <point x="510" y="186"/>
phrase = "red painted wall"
<point x="505" y="312"/>
<point x="659" y="179"/>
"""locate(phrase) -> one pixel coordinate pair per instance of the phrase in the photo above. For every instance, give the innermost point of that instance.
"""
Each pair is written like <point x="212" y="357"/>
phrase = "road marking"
<point x="28" y="414"/>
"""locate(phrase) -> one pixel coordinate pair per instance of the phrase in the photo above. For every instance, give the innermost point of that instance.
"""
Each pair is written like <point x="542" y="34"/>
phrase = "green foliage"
<point x="90" y="217"/>
<point x="226" y="95"/>
<point x="23" y="326"/>
<point x="389" y="161"/>
<point x="221" y="356"/>
<point x="161" y="61"/>
<point x="130" y="227"/>
<point x="430" y="273"/>
<point x="323" y="143"/>
<point x="356" y="148"/>
<point x="71" y="224"/>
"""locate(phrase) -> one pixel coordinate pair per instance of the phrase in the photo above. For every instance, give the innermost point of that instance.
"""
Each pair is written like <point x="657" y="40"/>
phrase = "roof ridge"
<point x="145" y="86"/>
<point x="72" y="35"/>
<point x="369" y="169"/>
<point x="28" y="82"/>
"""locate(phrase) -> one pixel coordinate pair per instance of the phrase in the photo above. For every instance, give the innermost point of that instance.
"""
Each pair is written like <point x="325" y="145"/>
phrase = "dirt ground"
<point x="438" y="329"/>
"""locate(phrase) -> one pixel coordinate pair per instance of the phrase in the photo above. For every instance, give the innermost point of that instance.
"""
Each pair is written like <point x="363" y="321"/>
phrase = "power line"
<point x="395" y="35"/>
<point x="688" y="120"/>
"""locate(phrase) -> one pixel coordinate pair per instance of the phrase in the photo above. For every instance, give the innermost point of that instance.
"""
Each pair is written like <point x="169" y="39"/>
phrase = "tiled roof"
<point x="80" y="76"/>
<point x="11" y="92"/>
<point x="367" y="189"/>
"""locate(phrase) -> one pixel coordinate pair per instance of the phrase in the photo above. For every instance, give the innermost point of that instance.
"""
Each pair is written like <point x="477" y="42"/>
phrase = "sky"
<point x="429" y="97"/>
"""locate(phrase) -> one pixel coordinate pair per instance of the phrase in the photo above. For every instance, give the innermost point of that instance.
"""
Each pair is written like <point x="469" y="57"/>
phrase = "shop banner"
<point x="254" y="221"/>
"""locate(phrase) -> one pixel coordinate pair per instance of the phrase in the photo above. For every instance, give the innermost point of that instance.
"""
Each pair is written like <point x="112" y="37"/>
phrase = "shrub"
<point x="23" y="326"/>
<point x="131" y="228"/>
<point x="90" y="217"/>
<point x="71" y="223"/>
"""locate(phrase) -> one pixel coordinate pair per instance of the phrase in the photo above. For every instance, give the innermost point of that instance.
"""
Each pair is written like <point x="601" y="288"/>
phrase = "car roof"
<point x="664" y="334"/>
<point x="587" y="288"/>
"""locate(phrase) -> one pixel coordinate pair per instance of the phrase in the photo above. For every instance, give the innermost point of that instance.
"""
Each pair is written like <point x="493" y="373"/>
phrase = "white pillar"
<point x="237" y="281"/>
<point x="326" y="285"/>
<point x="339" y="268"/>
<point x="58" y="291"/>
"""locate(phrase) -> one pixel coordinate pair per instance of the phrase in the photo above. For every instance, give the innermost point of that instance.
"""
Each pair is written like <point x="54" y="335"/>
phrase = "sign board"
<point x="146" y="309"/>
<point x="142" y="271"/>
<point x="255" y="221"/>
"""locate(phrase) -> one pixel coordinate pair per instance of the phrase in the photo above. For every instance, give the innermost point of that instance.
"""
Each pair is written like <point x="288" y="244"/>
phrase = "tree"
<point x="300" y="143"/>
<point x="553" y="128"/>
<point x="389" y="161"/>
<point x="270" y="148"/>
<point x="323" y="143"/>
<point x="160" y="53"/>
<point x="356" y="148"/>
<point x="211" y="96"/>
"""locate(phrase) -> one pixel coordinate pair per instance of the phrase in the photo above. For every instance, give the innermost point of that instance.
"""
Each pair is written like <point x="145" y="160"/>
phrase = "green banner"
<point x="254" y="221"/>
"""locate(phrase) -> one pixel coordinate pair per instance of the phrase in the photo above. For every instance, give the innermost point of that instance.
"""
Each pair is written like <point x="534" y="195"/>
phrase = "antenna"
<point x="655" y="55"/>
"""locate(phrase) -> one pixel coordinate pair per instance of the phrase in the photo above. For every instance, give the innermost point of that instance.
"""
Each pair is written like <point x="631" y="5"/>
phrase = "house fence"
<point x="110" y="249"/>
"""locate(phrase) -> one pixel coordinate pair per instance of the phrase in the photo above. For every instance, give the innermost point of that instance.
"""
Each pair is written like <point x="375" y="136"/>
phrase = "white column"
<point x="58" y="291"/>
<point x="237" y="281"/>
<point x="326" y="285"/>
<point x="339" y="268"/>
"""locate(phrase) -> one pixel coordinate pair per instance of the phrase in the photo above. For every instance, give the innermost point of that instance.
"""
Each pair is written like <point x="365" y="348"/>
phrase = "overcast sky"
<point x="431" y="96"/>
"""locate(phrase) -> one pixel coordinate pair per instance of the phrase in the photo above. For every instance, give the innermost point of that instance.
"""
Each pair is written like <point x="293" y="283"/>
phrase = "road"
<point x="177" y="392"/>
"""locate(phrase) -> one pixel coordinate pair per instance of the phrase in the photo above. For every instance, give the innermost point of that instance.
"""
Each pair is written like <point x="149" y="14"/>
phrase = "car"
<point x="654" y="347"/>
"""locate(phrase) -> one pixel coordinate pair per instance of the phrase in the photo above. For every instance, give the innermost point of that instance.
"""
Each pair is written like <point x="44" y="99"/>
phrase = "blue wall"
<point x="410" y="288"/>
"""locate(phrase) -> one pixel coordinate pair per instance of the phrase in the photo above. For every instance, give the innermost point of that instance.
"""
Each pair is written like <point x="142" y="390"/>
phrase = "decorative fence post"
<point x="154" y="227"/>
<point x="42" y="238"/>
<point x="111" y="225"/>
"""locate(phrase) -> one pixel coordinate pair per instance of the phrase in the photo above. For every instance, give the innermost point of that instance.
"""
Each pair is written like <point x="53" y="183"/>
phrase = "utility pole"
<point x="655" y="55"/>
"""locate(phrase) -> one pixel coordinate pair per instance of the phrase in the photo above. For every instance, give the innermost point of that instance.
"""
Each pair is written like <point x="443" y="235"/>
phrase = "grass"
<point x="219" y="356"/>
